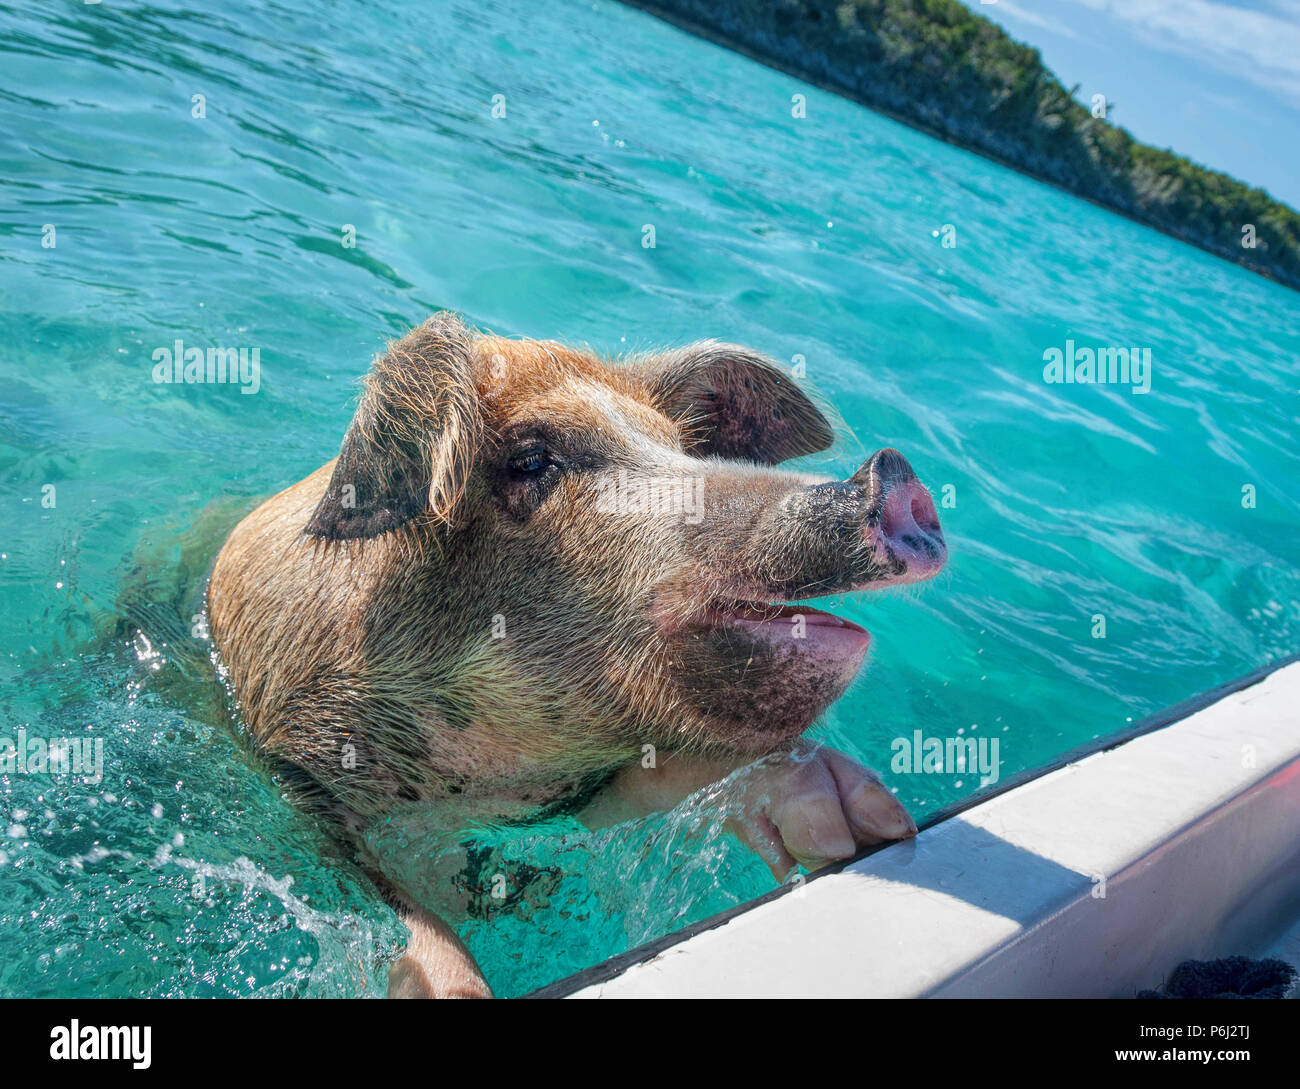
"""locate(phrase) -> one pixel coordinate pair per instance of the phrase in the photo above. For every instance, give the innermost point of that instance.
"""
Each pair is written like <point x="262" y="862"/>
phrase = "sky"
<point x="1215" y="80"/>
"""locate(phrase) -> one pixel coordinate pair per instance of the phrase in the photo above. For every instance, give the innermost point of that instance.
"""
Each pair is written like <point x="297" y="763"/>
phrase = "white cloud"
<point x="1033" y="18"/>
<point x="1262" y="46"/>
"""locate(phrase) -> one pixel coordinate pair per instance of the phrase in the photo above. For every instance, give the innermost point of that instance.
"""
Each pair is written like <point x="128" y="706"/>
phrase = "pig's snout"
<point x="901" y="523"/>
<point x="878" y="528"/>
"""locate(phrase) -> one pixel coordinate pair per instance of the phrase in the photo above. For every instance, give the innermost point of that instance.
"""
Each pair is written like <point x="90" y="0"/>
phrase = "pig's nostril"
<point x="898" y="516"/>
<point x="923" y="512"/>
<point x="909" y="524"/>
<point x="902" y="525"/>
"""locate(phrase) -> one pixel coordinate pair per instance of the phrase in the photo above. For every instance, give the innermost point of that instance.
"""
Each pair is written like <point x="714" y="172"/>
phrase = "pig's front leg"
<point x="811" y="806"/>
<point x="436" y="963"/>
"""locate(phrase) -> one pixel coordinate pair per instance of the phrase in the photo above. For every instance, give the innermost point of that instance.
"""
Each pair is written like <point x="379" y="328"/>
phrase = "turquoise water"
<point x="183" y="871"/>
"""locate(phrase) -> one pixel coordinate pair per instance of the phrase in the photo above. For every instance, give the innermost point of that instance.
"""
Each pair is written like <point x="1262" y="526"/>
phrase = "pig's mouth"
<point x="793" y="627"/>
<point x="779" y="618"/>
<point x="796" y="629"/>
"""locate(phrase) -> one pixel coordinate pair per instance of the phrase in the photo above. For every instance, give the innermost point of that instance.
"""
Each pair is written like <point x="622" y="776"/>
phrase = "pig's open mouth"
<point x="801" y="627"/>
<point x="763" y="615"/>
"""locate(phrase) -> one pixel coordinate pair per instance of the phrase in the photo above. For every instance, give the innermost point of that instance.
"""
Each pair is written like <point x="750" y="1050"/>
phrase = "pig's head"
<point x="597" y="557"/>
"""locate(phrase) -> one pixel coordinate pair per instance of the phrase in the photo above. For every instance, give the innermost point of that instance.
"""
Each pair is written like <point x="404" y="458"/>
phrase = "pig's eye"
<point x="532" y="460"/>
<point x="531" y="469"/>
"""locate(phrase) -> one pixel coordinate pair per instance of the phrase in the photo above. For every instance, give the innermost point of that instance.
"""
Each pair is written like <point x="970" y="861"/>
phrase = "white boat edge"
<point x="1094" y="879"/>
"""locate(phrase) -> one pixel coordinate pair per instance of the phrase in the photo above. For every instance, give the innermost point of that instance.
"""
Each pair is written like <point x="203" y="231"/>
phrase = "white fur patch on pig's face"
<point x="653" y="452"/>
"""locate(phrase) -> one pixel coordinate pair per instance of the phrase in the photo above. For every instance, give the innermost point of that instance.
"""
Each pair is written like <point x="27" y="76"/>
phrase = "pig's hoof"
<point x="817" y="806"/>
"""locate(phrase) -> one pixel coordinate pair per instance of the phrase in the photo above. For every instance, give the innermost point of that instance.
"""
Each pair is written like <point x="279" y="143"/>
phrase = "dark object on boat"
<point x="1230" y="977"/>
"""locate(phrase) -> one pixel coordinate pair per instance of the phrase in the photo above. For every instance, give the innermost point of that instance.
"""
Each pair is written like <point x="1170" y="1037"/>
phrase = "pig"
<point x="528" y="567"/>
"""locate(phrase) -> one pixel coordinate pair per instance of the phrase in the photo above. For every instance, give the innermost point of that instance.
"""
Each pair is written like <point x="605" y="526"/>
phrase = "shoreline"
<point x="805" y="73"/>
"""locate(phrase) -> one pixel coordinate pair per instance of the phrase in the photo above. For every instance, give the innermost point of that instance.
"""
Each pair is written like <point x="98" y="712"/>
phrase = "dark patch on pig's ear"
<point x="734" y="403"/>
<point x="413" y="440"/>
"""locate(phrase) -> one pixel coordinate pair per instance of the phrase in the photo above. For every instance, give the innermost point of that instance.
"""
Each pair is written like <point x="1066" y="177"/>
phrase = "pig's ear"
<point x="413" y="440"/>
<point x="734" y="403"/>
